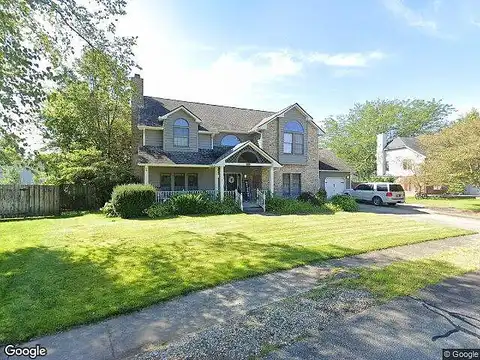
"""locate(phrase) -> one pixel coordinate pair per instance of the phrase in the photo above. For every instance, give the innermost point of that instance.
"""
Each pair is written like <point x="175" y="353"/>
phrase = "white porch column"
<point x="216" y="179"/>
<point x="146" y="179"/>
<point x="222" y="182"/>
<point x="271" y="180"/>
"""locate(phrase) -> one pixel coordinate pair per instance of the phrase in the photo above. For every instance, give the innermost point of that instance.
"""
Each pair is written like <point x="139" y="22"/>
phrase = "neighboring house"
<point x="401" y="158"/>
<point x="26" y="176"/>
<point x="182" y="145"/>
<point x="335" y="175"/>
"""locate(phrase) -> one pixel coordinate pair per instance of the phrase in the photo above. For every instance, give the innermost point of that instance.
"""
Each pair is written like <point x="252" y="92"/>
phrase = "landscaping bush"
<point x="131" y="200"/>
<point x="192" y="204"/>
<point x="108" y="210"/>
<point x="321" y="196"/>
<point x="188" y="204"/>
<point x="344" y="202"/>
<point x="281" y="206"/>
<point x="308" y="197"/>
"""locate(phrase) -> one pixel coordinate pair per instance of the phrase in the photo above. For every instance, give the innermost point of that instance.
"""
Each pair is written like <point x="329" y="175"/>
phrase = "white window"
<point x="293" y="138"/>
<point x="230" y="140"/>
<point x="180" y="133"/>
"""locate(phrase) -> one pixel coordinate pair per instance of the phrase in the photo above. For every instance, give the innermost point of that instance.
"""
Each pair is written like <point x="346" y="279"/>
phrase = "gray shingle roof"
<point x="155" y="155"/>
<point x="329" y="161"/>
<point x="405" y="142"/>
<point x="214" y="117"/>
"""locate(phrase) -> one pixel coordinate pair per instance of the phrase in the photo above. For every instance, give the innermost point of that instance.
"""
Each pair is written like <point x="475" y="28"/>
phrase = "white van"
<point x="378" y="193"/>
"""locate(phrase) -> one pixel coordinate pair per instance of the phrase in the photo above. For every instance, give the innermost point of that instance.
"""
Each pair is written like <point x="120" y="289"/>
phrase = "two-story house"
<point x="402" y="157"/>
<point x="182" y="145"/>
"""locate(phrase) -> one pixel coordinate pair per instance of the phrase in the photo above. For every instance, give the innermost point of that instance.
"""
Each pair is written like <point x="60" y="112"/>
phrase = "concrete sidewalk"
<point x="123" y="335"/>
<point x="443" y="316"/>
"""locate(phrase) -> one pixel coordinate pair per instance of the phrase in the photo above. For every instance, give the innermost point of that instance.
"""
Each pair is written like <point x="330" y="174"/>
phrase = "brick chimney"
<point x="381" y="161"/>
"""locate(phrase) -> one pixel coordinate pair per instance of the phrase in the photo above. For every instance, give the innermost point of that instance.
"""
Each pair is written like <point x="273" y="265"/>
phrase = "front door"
<point x="231" y="181"/>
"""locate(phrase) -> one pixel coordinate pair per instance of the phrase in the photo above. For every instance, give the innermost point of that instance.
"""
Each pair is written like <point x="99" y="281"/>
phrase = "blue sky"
<point x="325" y="55"/>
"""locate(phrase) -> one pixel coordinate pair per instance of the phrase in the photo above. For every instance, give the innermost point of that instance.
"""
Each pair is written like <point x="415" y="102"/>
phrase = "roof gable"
<point x="281" y="113"/>
<point x="237" y="148"/>
<point x="178" y="109"/>
<point x="214" y="117"/>
<point x="411" y="143"/>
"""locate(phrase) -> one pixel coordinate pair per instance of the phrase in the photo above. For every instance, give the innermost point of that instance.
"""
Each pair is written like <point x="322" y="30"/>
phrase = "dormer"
<point x="180" y="130"/>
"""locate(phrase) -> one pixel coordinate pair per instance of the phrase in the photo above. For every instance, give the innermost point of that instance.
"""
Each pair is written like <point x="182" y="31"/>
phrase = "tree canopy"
<point x="352" y="136"/>
<point x="453" y="154"/>
<point x="87" y="123"/>
<point x="38" y="38"/>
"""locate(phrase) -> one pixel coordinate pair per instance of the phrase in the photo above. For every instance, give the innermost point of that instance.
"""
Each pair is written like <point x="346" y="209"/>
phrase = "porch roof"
<point x="156" y="155"/>
<point x="153" y="155"/>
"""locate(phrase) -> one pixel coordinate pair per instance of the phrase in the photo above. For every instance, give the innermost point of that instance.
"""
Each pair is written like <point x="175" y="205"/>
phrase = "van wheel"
<point x="377" y="201"/>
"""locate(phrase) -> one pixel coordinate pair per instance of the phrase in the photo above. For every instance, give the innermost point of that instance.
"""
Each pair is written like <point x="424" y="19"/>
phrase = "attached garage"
<point x="334" y="175"/>
<point x="335" y="185"/>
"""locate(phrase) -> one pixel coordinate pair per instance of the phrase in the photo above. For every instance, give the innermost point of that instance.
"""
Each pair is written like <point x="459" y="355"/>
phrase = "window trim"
<point x="293" y="144"/>
<point x="179" y="125"/>
<point x="184" y="187"/>
<point x="187" y="178"/>
<point x="230" y="135"/>
<point x="290" y="182"/>
<point x="170" y="185"/>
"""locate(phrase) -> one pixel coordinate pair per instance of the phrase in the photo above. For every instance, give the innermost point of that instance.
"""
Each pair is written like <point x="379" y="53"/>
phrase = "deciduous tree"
<point x="352" y="136"/>
<point x="453" y="154"/>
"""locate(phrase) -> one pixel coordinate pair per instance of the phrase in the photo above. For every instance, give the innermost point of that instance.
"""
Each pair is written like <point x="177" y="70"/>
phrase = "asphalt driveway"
<point x="423" y="214"/>
<point x="442" y="316"/>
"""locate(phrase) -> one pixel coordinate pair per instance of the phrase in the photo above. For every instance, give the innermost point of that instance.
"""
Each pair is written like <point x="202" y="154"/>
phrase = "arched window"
<point x="230" y="140"/>
<point x="248" y="157"/>
<point x="180" y="133"/>
<point x="293" y="138"/>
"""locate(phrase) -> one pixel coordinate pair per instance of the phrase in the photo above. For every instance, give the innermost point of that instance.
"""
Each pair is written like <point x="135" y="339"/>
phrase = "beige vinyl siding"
<point x="293" y="115"/>
<point x="168" y="132"/>
<point x="217" y="140"/>
<point x="204" y="141"/>
<point x="205" y="175"/>
<point x="154" y="137"/>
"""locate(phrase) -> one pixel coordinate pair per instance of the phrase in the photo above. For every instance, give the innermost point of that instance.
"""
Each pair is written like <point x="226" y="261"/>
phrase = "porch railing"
<point x="239" y="199"/>
<point x="230" y="194"/>
<point x="165" y="195"/>
<point x="262" y="198"/>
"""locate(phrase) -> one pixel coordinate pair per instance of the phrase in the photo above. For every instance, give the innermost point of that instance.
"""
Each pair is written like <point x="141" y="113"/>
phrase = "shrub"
<point x="131" y="200"/>
<point x="192" y="204"/>
<point x="108" y="210"/>
<point x="344" y="202"/>
<point x="188" y="204"/>
<point x="321" y="196"/>
<point x="308" y="197"/>
<point x="281" y="206"/>
<point x="159" y="210"/>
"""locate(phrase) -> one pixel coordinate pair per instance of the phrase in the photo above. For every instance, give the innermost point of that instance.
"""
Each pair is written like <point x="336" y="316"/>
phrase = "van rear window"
<point x="396" y="187"/>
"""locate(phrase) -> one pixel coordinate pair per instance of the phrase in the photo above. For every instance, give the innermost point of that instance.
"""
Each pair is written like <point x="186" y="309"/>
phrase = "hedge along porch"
<point x="244" y="167"/>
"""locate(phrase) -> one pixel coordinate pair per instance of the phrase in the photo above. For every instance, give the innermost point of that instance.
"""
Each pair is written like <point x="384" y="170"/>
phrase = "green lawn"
<point x="55" y="273"/>
<point x="461" y="204"/>
<point x="407" y="277"/>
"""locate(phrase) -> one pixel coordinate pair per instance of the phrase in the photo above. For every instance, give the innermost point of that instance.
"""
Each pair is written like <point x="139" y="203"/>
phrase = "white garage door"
<point x="334" y="186"/>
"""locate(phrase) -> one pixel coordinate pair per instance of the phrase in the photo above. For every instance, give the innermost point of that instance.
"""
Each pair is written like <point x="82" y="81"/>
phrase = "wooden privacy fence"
<point x="45" y="200"/>
<point x="29" y="200"/>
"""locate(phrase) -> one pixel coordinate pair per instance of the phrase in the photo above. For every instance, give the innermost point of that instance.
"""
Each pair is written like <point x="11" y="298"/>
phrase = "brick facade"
<point x="309" y="171"/>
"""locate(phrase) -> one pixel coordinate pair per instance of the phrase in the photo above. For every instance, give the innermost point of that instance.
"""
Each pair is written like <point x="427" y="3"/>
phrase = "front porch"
<point x="229" y="181"/>
<point x="245" y="173"/>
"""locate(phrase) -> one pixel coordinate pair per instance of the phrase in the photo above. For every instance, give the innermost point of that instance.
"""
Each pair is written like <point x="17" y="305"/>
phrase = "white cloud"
<point x="346" y="59"/>
<point x="412" y="18"/>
